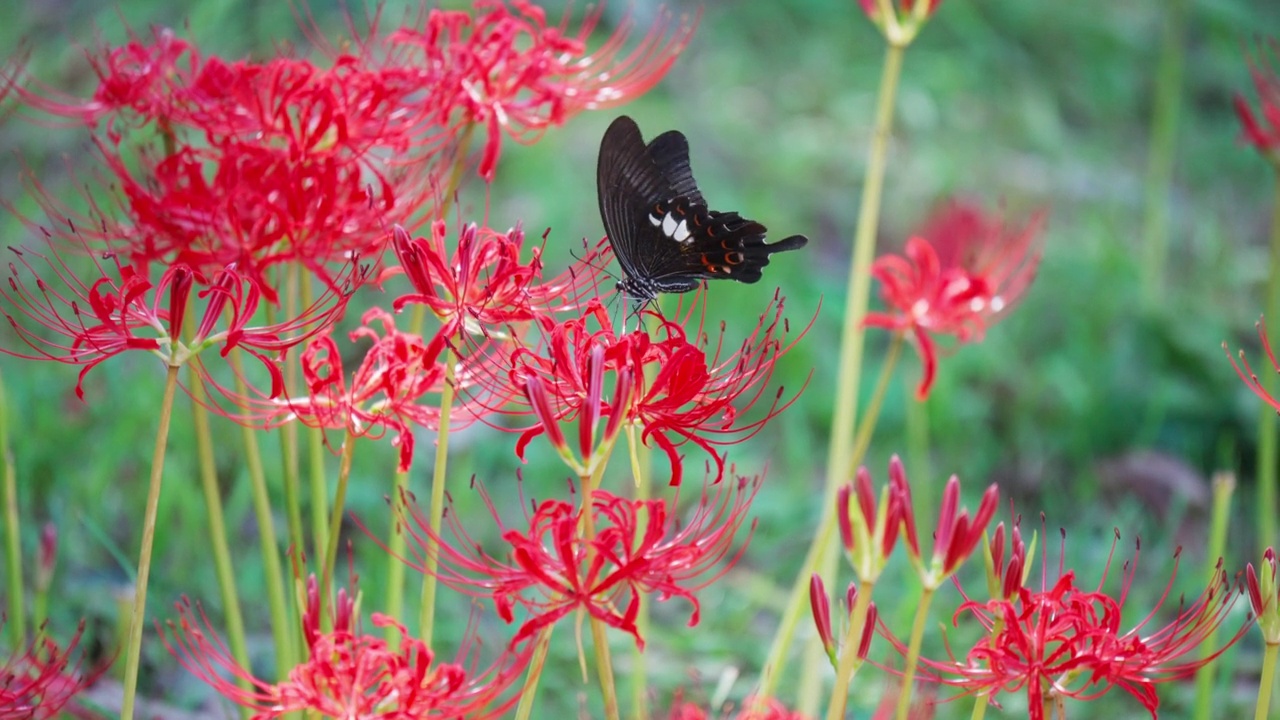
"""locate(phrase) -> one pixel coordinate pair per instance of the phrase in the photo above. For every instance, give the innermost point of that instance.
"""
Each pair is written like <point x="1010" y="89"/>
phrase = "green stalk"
<point x="335" y="518"/>
<point x="1162" y="151"/>
<point x="12" y="536"/>
<point x="318" y="485"/>
<point x="276" y="598"/>
<point x="396" y="544"/>
<point x="1266" y="415"/>
<point x="1266" y="682"/>
<point x="852" y="338"/>
<point x="133" y="653"/>
<point x="217" y="528"/>
<point x="289" y="431"/>
<point x="1224" y="485"/>
<point x="821" y="555"/>
<point x="539" y="660"/>
<point x="427" y="611"/>
<point x="918" y="463"/>
<point x="644" y="491"/>
<point x="599" y="636"/>
<point x="849" y="659"/>
<point x="913" y="652"/>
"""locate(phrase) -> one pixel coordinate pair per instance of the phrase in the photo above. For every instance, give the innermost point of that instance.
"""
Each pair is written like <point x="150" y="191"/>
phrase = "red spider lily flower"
<point x="485" y="286"/>
<point x="869" y="527"/>
<point x="752" y="709"/>
<point x="553" y="569"/>
<point x="121" y="310"/>
<point x="1246" y="373"/>
<point x="395" y="388"/>
<point x="1263" y="130"/>
<point x="1068" y="641"/>
<point x="258" y="163"/>
<point x="1263" y="597"/>
<point x="506" y="70"/>
<point x="960" y="274"/>
<point x="955" y="537"/>
<point x="37" y="682"/>
<point x="347" y="673"/>
<point x="696" y="395"/>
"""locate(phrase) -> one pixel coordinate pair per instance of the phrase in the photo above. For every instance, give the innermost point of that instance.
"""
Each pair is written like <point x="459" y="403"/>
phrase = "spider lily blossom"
<point x="959" y="274"/>
<point x="347" y="673"/>
<point x="120" y="310"/>
<point x="693" y="393"/>
<point x="956" y="535"/>
<point x="552" y="569"/>
<point x="1068" y="641"/>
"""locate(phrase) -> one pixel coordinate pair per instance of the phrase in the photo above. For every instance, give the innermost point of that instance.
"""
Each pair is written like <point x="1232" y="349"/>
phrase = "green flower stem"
<point x="1266" y="681"/>
<point x="289" y="431"/>
<point x="276" y="598"/>
<point x="318" y="481"/>
<point x="217" y="528"/>
<point x="427" y="611"/>
<point x="13" y="554"/>
<point x="396" y="544"/>
<point x="335" y="517"/>
<point x="1224" y="486"/>
<point x="1266" y="415"/>
<point x="644" y="490"/>
<point x="133" y="653"/>
<point x="849" y="658"/>
<point x="821" y="555"/>
<point x="913" y="652"/>
<point x="853" y="335"/>
<point x="599" y="635"/>
<point x="918" y="465"/>
<point x="539" y="660"/>
<point x="1162" y="151"/>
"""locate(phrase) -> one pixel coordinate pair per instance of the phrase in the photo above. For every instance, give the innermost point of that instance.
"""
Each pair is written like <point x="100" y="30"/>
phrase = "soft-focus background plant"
<point x="1089" y="403"/>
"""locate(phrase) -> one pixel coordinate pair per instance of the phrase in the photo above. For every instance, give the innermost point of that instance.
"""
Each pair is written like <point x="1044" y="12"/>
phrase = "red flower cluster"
<point x="507" y="70"/>
<point x="961" y="272"/>
<point x="38" y="681"/>
<point x="347" y="673"/>
<point x="678" y="389"/>
<point x="1069" y="641"/>
<point x="554" y="568"/>
<point x="1263" y="130"/>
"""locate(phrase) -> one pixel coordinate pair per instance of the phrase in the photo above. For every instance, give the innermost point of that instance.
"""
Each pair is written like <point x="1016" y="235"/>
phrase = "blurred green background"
<point x="1085" y="403"/>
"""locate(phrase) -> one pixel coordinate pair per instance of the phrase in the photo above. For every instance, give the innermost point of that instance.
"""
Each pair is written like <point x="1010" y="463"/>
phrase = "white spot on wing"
<point x="669" y="225"/>
<point x="657" y="221"/>
<point x="681" y="234"/>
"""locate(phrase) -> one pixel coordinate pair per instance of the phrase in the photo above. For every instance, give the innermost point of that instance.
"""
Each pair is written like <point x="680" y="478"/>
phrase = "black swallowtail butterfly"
<point x="665" y="237"/>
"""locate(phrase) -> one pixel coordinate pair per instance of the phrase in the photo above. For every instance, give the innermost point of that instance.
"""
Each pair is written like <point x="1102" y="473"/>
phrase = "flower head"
<point x="1264" y="596"/>
<point x="505" y="69"/>
<point x="1263" y="129"/>
<point x="1245" y="371"/>
<point x="347" y="673"/>
<point x="681" y="388"/>
<point x="119" y="309"/>
<point x="1072" y="642"/>
<point x="553" y="567"/>
<point x="36" y="682"/>
<point x="869" y="527"/>
<point x="956" y="535"/>
<point x="960" y="274"/>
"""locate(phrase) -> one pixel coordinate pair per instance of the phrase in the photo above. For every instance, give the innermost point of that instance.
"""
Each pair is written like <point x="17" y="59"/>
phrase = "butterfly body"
<point x="664" y="235"/>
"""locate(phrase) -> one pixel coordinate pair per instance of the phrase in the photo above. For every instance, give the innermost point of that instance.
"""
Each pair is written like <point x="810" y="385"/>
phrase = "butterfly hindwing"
<point x="664" y="235"/>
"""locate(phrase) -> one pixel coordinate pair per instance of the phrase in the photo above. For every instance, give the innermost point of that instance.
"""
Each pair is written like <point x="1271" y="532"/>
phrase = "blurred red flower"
<point x="961" y="272"/>
<point x="1263" y="129"/>
<point x="38" y="681"/>
<point x="552" y="568"/>
<point x="348" y="673"/>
